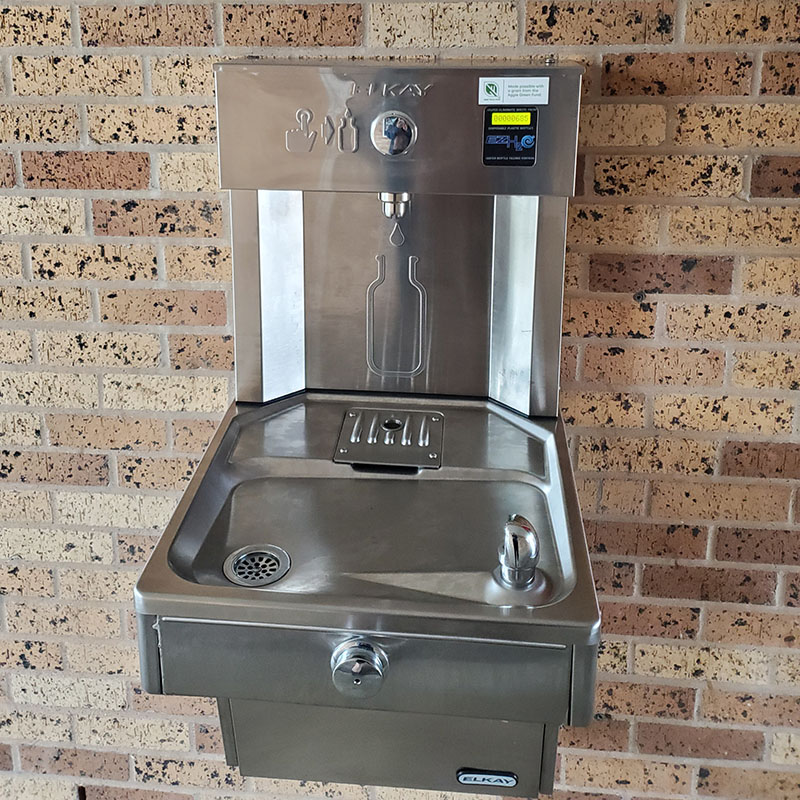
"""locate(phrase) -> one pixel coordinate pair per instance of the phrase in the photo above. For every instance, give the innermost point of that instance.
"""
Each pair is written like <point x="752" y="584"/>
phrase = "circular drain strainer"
<point x="256" y="565"/>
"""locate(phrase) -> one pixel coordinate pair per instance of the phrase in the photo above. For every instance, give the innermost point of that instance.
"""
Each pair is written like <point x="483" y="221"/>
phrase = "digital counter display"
<point x="511" y="118"/>
<point x="509" y="136"/>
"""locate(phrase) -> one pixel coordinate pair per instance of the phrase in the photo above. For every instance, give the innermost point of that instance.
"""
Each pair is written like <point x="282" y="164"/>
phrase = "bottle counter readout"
<point x="511" y="117"/>
<point x="509" y="137"/>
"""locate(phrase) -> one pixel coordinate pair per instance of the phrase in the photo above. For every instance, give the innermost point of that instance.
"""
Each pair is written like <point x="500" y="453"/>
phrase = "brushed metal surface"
<point x="426" y="675"/>
<point x="263" y="143"/>
<point x="352" y="746"/>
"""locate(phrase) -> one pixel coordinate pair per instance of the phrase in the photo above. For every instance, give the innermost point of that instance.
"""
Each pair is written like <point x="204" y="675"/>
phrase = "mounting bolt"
<point x="434" y="419"/>
<point x="342" y="449"/>
<point x="433" y="455"/>
<point x="351" y="413"/>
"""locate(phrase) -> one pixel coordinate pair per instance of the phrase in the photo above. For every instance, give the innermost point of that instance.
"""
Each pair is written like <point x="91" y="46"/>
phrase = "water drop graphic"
<point x="397" y="237"/>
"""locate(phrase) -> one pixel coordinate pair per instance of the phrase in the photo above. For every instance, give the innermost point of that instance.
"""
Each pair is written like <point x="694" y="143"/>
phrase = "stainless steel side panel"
<point x="262" y="107"/>
<point x="433" y="676"/>
<point x="368" y="746"/>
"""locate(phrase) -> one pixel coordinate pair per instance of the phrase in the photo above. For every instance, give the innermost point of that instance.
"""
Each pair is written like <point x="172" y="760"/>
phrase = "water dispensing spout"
<point x="395" y="204"/>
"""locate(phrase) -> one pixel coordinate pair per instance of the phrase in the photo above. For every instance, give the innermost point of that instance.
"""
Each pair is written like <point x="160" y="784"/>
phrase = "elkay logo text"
<point x="393" y="89"/>
<point x="472" y="777"/>
<point x="519" y="143"/>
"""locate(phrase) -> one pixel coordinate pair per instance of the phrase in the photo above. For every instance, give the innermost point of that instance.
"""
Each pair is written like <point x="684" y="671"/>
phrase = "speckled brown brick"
<point x="638" y="774"/>
<point x="767" y="370"/>
<point x="611" y="226"/>
<point x="625" y="366"/>
<point x="668" y="74"/>
<point x="702" y="583"/>
<point x="622" y="496"/>
<point x="156" y="473"/>
<point x="771" y="276"/>
<point x="622" y="125"/>
<point x="576" y="22"/>
<point x="200" y="352"/>
<point x="745" y="784"/>
<point x="672" y="274"/>
<point x="630" y="619"/>
<point x="758" y="546"/>
<point x="77" y="170"/>
<point x="181" y="76"/>
<point x="613" y="577"/>
<point x="569" y="363"/>
<point x="192" y="263"/>
<point x="748" y="322"/>
<point x="66" y="468"/>
<point x="599" y="409"/>
<point x="644" y="699"/>
<point x="750" y="708"/>
<point x="780" y="74"/>
<point x="38" y="123"/>
<point x="121" y="262"/>
<point x="642" y="539"/>
<point x="645" y="454"/>
<point x="194" y="436"/>
<point x="199" y="218"/>
<point x="149" y="26"/>
<point x="135" y="548"/>
<point x="163" y="307"/>
<point x="45" y="304"/>
<point x="5" y="757"/>
<point x="761" y="460"/>
<point x="27" y="581"/>
<point x="7" y="171"/>
<point x="96" y="792"/>
<point x="34" y="25"/>
<point x="107" y="432"/>
<point x="765" y="628"/>
<point x="72" y="761"/>
<point x="674" y="176"/>
<point x="30" y="655"/>
<point x="208" y="739"/>
<point x="78" y="75"/>
<point x="719" y="501"/>
<point x="738" y="125"/>
<point x="160" y="124"/>
<point x="603" y="734"/>
<point x="776" y="176"/>
<point x="585" y="317"/>
<point x="690" y="742"/>
<point x="325" y="25"/>
<point x="739" y="21"/>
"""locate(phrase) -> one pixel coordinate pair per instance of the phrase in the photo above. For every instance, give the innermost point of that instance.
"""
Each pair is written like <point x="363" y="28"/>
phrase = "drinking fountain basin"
<point x="314" y="590"/>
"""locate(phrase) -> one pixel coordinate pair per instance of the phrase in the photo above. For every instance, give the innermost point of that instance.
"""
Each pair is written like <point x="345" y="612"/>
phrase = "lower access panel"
<point x="281" y="740"/>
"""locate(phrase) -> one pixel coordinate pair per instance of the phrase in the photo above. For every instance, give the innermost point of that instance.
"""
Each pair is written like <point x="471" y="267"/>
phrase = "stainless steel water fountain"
<point x="379" y="568"/>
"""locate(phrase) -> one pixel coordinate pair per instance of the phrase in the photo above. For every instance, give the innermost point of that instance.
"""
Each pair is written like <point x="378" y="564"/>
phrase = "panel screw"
<point x="342" y="449"/>
<point x="434" y="419"/>
<point x="433" y="455"/>
<point x="351" y="413"/>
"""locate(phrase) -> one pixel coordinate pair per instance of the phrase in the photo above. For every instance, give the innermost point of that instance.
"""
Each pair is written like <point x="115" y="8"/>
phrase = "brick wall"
<point x="681" y="366"/>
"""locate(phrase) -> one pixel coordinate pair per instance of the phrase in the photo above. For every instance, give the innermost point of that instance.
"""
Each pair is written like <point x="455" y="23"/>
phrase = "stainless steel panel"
<point x="247" y="311"/>
<point x="280" y="236"/>
<point x="364" y="746"/>
<point x="366" y="325"/>
<point x="436" y="676"/>
<point x="548" y="304"/>
<point x="513" y="275"/>
<point x="306" y="126"/>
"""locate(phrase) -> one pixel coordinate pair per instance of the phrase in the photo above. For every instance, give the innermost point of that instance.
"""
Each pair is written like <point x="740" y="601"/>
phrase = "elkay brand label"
<point x="513" y="91"/>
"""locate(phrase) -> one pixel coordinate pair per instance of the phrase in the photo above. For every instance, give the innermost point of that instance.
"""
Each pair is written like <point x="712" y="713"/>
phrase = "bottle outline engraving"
<point x="347" y="139"/>
<point x="419" y="333"/>
<point x="301" y="140"/>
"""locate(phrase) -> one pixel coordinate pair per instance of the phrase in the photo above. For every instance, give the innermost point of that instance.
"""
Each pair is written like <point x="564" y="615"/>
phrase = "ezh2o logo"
<point x="516" y="142"/>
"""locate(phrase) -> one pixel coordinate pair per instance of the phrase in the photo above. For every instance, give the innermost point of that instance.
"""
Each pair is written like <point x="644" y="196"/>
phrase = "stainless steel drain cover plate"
<point x="391" y="437"/>
<point x="256" y="565"/>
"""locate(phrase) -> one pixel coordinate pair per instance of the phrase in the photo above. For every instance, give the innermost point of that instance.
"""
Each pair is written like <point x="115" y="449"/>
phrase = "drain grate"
<point x="256" y="565"/>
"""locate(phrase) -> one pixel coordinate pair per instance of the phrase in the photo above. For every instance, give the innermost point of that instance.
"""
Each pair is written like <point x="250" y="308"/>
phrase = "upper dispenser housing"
<point x="399" y="229"/>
